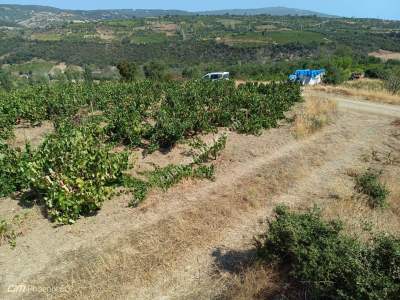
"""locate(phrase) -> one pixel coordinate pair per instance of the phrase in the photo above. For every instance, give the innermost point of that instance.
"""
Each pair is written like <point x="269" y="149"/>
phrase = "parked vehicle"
<point x="356" y="76"/>
<point x="308" y="77"/>
<point x="217" y="76"/>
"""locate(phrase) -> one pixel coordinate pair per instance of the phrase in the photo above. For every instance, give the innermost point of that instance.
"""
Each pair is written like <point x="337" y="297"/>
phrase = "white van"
<point x="217" y="76"/>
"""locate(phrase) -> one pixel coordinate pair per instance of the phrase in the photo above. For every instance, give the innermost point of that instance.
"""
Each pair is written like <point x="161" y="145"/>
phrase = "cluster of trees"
<point x="172" y="53"/>
<point x="130" y="71"/>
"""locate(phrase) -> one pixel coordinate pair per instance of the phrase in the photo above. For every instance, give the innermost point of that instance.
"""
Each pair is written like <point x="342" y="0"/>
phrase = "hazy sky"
<point x="389" y="9"/>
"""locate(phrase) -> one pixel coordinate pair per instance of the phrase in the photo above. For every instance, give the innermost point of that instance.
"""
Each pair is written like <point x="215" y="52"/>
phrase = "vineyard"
<point x="80" y="165"/>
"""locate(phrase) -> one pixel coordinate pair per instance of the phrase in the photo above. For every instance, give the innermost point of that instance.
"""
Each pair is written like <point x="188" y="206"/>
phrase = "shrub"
<point x="327" y="263"/>
<point x="5" y="80"/>
<point x="127" y="70"/>
<point x="127" y="125"/>
<point x="191" y="73"/>
<point x="368" y="183"/>
<point x="12" y="165"/>
<point x="172" y="174"/>
<point x="138" y="187"/>
<point x="335" y="76"/>
<point x="375" y="73"/>
<point x="392" y="83"/>
<point x="211" y="152"/>
<point x="75" y="173"/>
<point x="155" y="71"/>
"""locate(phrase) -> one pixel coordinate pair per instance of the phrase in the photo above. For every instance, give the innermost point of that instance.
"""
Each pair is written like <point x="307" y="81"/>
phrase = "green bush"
<point x="74" y="172"/>
<point x="376" y="73"/>
<point x="392" y="82"/>
<point x="327" y="263"/>
<point x="368" y="183"/>
<point x="12" y="166"/>
<point x="208" y="153"/>
<point x="5" y="80"/>
<point x="191" y="73"/>
<point x="155" y="71"/>
<point x="172" y="174"/>
<point x="335" y="76"/>
<point x="128" y="70"/>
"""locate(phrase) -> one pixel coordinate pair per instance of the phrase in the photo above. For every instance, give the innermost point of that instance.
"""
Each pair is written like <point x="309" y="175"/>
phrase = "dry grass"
<point x="362" y="220"/>
<point x="365" y="89"/>
<point x="344" y="203"/>
<point x="255" y="282"/>
<point x="350" y="207"/>
<point x="315" y="114"/>
<point x="11" y="229"/>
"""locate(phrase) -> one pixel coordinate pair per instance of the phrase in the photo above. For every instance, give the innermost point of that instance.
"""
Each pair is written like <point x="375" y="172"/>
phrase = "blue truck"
<point x="308" y="77"/>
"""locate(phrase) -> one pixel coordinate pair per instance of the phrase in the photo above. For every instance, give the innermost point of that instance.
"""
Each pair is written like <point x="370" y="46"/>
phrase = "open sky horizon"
<point x="383" y="9"/>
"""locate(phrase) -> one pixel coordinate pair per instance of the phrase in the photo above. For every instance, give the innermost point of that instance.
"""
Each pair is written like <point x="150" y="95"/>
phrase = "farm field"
<point x="128" y="173"/>
<point x="195" y="240"/>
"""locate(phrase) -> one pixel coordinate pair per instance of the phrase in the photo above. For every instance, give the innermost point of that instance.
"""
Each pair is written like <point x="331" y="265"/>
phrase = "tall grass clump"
<point x="315" y="114"/>
<point x="368" y="183"/>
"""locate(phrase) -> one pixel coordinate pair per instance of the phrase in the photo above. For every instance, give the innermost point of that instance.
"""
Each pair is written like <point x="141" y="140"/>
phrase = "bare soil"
<point x="195" y="241"/>
<point x="33" y="135"/>
<point x="385" y="55"/>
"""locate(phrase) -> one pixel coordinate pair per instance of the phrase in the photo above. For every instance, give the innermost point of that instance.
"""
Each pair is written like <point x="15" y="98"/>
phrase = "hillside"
<point x="273" y="11"/>
<point x="33" y="15"/>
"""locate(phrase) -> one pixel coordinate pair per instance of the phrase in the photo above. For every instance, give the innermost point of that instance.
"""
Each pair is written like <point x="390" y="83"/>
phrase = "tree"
<point x="191" y="72"/>
<point x="376" y="73"/>
<point x="128" y="70"/>
<point x="335" y="76"/>
<point x="155" y="71"/>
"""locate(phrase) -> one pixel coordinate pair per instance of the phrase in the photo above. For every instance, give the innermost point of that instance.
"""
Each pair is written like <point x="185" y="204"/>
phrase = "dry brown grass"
<point x="350" y="207"/>
<point x="12" y="228"/>
<point x="255" y="282"/>
<point x="365" y="89"/>
<point x="344" y="203"/>
<point x="315" y="114"/>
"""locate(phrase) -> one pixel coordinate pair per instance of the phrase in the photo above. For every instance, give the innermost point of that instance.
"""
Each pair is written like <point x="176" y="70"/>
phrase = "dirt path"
<point x="187" y="242"/>
<point x="346" y="104"/>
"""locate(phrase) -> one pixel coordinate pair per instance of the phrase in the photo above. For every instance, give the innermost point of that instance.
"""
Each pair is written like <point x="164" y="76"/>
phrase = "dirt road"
<point x="190" y="242"/>
<point x="346" y="104"/>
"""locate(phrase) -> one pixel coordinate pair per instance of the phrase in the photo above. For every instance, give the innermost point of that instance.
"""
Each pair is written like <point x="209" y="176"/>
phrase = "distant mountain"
<point x="273" y="11"/>
<point x="35" y="15"/>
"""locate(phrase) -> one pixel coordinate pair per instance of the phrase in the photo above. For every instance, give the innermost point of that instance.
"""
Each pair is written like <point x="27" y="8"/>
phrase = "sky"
<point x="384" y="9"/>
